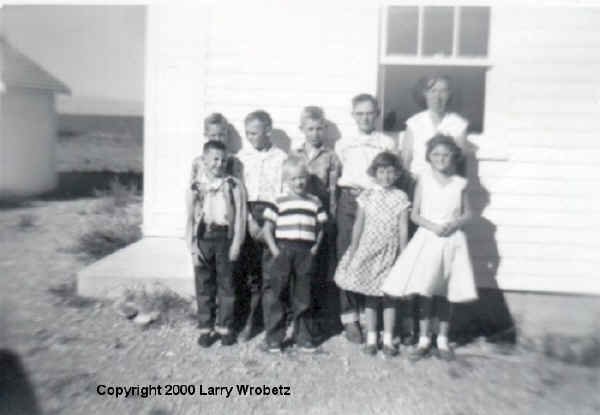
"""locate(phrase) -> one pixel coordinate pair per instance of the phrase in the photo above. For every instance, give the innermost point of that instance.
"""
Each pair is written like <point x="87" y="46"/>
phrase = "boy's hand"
<point x="254" y="229"/>
<point x="314" y="249"/>
<point x="275" y="252"/>
<point x="234" y="253"/>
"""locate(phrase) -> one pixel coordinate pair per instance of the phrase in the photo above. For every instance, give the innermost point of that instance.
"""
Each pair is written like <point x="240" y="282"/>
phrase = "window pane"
<point x="474" y="31"/>
<point x="437" y="31"/>
<point x="402" y="30"/>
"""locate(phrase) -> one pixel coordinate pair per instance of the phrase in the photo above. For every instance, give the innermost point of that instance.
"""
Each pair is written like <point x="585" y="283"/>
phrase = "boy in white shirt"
<point x="261" y="173"/>
<point x="215" y="231"/>
<point x="356" y="154"/>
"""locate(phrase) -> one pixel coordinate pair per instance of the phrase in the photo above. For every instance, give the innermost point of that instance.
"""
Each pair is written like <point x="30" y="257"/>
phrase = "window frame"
<point x="418" y="58"/>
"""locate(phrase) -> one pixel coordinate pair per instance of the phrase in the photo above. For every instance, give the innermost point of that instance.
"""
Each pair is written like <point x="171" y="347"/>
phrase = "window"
<point x="436" y="34"/>
<point x="418" y="41"/>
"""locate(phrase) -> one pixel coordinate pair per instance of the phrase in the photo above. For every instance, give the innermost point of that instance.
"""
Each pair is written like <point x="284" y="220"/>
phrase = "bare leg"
<point x="389" y="322"/>
<point x="371" y="317"/>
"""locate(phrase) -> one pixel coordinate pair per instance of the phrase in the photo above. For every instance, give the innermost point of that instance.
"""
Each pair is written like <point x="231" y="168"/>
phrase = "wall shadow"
<point x="280" y="139"/>
<point x="332" y="134"/>
<point x="489" y="316"/>
<point x="16" y="390"/>
<point x="234" y="142"/>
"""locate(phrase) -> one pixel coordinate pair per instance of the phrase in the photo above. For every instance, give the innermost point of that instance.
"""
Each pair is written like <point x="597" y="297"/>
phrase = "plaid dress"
<point x="364" y="270"/>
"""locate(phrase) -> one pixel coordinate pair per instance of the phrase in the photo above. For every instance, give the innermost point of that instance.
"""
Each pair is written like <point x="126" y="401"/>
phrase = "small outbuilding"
<point x="29" y="124"/>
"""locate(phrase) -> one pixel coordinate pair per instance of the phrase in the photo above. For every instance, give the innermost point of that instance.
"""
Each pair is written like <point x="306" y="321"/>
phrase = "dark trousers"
<point x="288" y="278"/>
<point x="350" y="302"/>
<point x="252" y="258"/>
<point x="325" y="294"/>
<point x="215" y="284"/>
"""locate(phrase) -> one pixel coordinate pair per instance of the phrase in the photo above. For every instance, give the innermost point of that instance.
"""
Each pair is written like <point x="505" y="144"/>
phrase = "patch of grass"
<point x="108" y="238"/>
<point x="120" y="194"/>
<point x="115" y="223"/>
<point x="26" y="221"/>
<point x="173" y="308"/>
<point x="66" y="294"/>
<point x="582" y="351"/>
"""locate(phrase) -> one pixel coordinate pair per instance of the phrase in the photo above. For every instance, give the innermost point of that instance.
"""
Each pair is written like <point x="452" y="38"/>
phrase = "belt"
<point x="354" y="191"/>
<point x="212" y="231"/>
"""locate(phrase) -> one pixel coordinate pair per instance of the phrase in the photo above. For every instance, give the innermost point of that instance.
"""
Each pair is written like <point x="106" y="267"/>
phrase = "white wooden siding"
<point x="545" y="84"/>
<point x="539" y="230"/>
<point x="289" y="55"/>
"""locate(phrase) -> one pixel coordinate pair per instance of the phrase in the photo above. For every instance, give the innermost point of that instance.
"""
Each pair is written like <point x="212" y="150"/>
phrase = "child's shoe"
<point x="206" y="339"/>
<point x="306" y="347"/>
<point x="445" y="352"/>
<point x="353" y="333"/>
<point x="390" y="351"/>
<point x="422" y="349"/>
<point x="228" y="338"/>
<point x="270" y="347"/>
<point x="370" y="349"/>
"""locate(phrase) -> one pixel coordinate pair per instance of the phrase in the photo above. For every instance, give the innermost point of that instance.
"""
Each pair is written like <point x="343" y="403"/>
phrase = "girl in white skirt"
<point x="435" y="264"/>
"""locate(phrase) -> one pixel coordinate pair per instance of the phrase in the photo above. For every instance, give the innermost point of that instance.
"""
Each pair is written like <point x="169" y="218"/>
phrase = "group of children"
<point x="268" y="230"/>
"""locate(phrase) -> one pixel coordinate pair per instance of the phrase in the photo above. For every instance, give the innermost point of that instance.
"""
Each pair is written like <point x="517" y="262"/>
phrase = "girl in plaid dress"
<point x="378" y="237"/>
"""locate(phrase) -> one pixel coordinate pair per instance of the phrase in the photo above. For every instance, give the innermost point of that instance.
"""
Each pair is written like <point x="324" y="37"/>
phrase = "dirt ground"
<point x="68" y="346"/>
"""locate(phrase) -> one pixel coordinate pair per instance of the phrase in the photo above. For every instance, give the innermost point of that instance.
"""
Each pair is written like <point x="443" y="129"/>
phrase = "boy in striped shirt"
<point x="293" y="232"/>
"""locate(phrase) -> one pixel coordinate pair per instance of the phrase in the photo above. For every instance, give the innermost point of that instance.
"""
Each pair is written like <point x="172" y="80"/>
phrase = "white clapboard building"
<point x="526" y="76"/>
<point x="28" y="124"/>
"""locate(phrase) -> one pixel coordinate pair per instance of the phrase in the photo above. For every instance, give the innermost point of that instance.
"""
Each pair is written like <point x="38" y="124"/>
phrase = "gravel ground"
<point x="68" y="346"/>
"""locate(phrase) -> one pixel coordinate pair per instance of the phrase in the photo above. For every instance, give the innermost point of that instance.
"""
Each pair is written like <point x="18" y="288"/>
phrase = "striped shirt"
<point x="296" y="217"/>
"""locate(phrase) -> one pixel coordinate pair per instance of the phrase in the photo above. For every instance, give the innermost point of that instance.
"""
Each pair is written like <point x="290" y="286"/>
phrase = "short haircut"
<point x="311" y="113"/>
<point x="425" y="84"/>
<point x="291" y="163"/>
<point x="260" y="115"/>
<point x="448" y="142"/>
<point x="213" y="145"/>
<point x="384" y="159"/>
<point x="215" y="118"/>
<point x="365" y="98"/>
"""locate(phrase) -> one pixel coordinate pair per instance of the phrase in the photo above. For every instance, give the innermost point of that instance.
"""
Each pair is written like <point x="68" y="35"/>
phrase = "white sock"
<point x="424" y="342"/>
<point x="442" y="343"/>
<point x="371" y="337"/>
<point x="388" y="339"/>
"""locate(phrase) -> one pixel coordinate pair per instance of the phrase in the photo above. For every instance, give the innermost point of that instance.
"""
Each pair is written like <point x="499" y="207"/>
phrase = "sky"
<point x="98" y="51"/>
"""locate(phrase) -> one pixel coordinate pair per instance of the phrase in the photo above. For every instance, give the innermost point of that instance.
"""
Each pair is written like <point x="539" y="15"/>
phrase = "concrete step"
<point x="144" y="264"/>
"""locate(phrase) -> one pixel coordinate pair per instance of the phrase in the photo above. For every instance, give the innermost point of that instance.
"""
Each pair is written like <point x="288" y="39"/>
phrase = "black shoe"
<point x="446" y="354"/>
<point x="370" y="349"/>
<point x="269" y="347"/>
<point x="419" y="353"/>
<point x="390" y="351"/>
<point x="206" y="339"/>
<point x="306" y="347"/>
<point x="353" y="333"/>
<point x="228" y="338"/>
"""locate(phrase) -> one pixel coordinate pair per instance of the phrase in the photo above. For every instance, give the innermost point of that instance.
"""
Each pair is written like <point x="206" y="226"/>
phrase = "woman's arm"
<point x="416" y="214"/>
<point x="406" y="151"/>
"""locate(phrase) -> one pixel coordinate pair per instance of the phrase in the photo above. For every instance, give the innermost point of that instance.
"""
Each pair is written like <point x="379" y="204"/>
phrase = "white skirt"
<point x="433" y="265"/>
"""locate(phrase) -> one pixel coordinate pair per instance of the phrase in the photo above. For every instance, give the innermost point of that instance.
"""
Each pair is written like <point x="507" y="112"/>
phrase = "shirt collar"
<point x="314" y="155"/>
